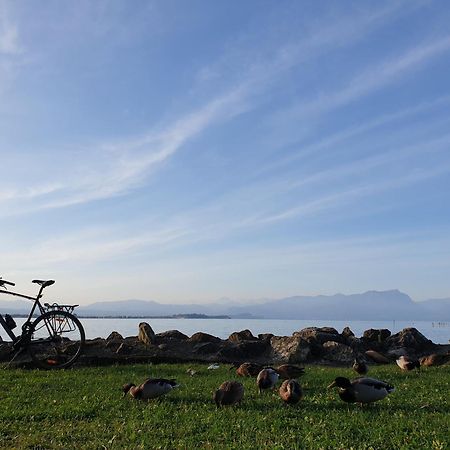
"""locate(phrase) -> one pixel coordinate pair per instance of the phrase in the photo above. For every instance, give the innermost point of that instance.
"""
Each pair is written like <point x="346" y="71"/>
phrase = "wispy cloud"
<point x="9" y="35"/>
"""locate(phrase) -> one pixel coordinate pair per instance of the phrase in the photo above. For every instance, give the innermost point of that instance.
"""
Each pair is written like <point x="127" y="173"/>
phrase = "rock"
<point x="243" y="350"/>
<point x="319" y="335"/>
<point x="435" y="359"/>
<point x="397" y="352"/>
<point x="114" y="336"/>
<point x="123" y="349"/>
<point x="338" y="353"/>
<point x="347" y="332"/>
<point x="377" y="357"/>
<point x="146" y="334"/>
<point x="241" y="336"/>
<point x="376" y="335"/>
<point x="203" y="337"/>
<point x="410" y="338"/>
<point x="289" y="349"/>
<point x="173" y="334"/>
<point x="207" y="348"/>
<point x="265" y="336"/>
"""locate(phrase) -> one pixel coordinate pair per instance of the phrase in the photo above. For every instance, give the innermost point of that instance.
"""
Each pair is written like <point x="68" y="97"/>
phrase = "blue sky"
<point x="188" y="151"/>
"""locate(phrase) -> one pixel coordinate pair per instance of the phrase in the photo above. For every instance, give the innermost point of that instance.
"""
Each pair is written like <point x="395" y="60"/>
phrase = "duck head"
<point x="218" y="397"/>
<point x="127" y="387"/>
<point x="340" y="382"/>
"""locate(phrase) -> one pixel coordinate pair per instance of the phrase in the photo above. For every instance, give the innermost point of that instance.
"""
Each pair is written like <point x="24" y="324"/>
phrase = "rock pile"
<point x="323" y="345"/>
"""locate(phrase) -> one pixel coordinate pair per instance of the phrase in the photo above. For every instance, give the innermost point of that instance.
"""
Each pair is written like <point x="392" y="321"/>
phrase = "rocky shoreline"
<point x="311" y="345"/>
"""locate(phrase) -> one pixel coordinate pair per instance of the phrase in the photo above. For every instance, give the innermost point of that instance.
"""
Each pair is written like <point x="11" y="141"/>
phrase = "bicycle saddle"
<point x="44" y="283"/>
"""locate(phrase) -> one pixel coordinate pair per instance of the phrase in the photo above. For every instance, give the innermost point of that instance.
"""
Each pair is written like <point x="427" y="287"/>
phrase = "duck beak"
<point x="332" y="385"/>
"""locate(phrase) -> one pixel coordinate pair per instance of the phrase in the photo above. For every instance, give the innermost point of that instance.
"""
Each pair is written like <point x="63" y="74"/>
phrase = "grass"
<point x="83" y="409"/>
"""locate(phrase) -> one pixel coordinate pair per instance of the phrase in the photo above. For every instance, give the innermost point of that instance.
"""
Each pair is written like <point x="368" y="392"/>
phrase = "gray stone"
<point x="289" y="349"/>
<point x="337" y="352"/>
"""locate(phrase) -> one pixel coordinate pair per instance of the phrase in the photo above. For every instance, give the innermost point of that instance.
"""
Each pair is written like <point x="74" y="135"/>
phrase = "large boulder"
<point x="316" y="335"/>
<point x="289" y="349"/>
<point x="172" y="334"/>
<point x="146" y="334"/>
<point x="241" y="336"/>
<point x="377" y="357"/>
<point x="203" y="337"/>
<point x="376" y="335"/>
<point x="338" y="353"/>
<point x="410" y="338"/>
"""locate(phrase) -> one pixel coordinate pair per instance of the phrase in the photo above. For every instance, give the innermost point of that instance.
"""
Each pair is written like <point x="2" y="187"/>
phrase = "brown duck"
<point x="360" y="367"/>
<point x="267" y="379"/>
<point x="291" y="392"/>
<point x="150" y="388"/>
<point x="248" y="369"/>
<point x="289" y="371"/>
<point x="229" y="393"/>
<point x="407" y="363"/>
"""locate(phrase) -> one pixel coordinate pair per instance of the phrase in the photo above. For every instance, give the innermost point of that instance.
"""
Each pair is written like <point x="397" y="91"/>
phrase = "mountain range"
<point x="370" y="305"/>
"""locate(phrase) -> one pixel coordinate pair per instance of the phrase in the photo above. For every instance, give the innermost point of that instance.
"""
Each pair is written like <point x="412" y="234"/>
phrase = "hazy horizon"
<point x="187" y="152"/>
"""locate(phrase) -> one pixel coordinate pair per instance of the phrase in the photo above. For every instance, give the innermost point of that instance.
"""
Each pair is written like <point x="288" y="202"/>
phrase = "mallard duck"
<point x="291" y="392"/>
<point x="289" y="371"/>
<point x="407" y="363"/>
<point x="229" y="393"/>
<point x="267" y="379"/>
<point x="361" y="390"/>
<point x="360" y="367"/>
<point x="150" y="388"/>
<point x="248" y="369"/>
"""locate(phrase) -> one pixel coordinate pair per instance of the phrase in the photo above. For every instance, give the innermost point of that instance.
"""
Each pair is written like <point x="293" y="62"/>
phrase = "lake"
<point x="438" y="332"/>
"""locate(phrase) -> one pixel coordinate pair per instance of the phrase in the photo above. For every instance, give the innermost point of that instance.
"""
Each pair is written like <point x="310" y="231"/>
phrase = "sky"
<point x="193" y="151"/>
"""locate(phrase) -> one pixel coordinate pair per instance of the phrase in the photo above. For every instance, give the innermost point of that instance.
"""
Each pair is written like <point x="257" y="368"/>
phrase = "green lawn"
<point x="84" y="409"/>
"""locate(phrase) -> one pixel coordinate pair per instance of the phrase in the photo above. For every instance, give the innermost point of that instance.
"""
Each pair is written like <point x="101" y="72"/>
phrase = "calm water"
<point x="436" y="331"/>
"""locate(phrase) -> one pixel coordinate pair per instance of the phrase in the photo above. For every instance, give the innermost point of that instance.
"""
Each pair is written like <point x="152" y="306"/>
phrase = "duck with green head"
<point x="361" y="390"/>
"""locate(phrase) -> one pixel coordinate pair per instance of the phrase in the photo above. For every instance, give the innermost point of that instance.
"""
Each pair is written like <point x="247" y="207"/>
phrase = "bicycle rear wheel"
<point x="57" y="340"/>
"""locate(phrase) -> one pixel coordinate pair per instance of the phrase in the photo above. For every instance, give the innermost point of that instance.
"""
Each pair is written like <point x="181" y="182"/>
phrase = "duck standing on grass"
<point x="360" y="367"/>
<point x="407" y="363"/>
<point x="150" y="388"/>
<point x="361" y="390"/>
<point x="291" y="392"/>
<point x="248" y="369"/>
<point x="267" y="379"/>
<point x="229" y="393"/>
<point x="290" y="371"/>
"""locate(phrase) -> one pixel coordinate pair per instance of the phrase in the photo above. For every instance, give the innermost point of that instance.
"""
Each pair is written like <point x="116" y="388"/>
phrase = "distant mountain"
<point x="371" y="305"/>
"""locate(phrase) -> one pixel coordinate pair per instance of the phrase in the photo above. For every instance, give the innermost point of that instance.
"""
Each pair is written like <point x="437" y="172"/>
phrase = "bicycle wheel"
<point x="57" y="340"/>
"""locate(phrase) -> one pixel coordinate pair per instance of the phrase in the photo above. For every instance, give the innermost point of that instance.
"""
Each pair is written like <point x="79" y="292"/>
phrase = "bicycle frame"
<point x="37" y="304"/>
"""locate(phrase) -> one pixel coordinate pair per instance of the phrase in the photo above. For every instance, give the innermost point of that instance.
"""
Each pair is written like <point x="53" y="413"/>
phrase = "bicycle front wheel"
<point x="57" y="340"/>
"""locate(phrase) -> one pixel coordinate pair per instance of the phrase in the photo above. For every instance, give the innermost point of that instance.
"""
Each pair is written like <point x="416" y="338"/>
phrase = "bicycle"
<point x="54" y="339"/>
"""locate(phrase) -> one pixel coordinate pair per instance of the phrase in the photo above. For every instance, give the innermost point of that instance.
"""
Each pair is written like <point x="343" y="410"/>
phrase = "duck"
<point x="290" y="371"/>
<point x="291" y="392"/>
<point x="248" y="369"/>
<point x="407" y="363"/>
<point x="229" y="393"/>
<point x="361" y="390"/>
<point x="267" y="379"/>
<point x="360" y="367"/>
<point x="150" y="388"/>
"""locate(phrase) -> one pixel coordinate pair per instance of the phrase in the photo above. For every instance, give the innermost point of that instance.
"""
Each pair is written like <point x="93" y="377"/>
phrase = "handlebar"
<point x="2" y="282"/>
